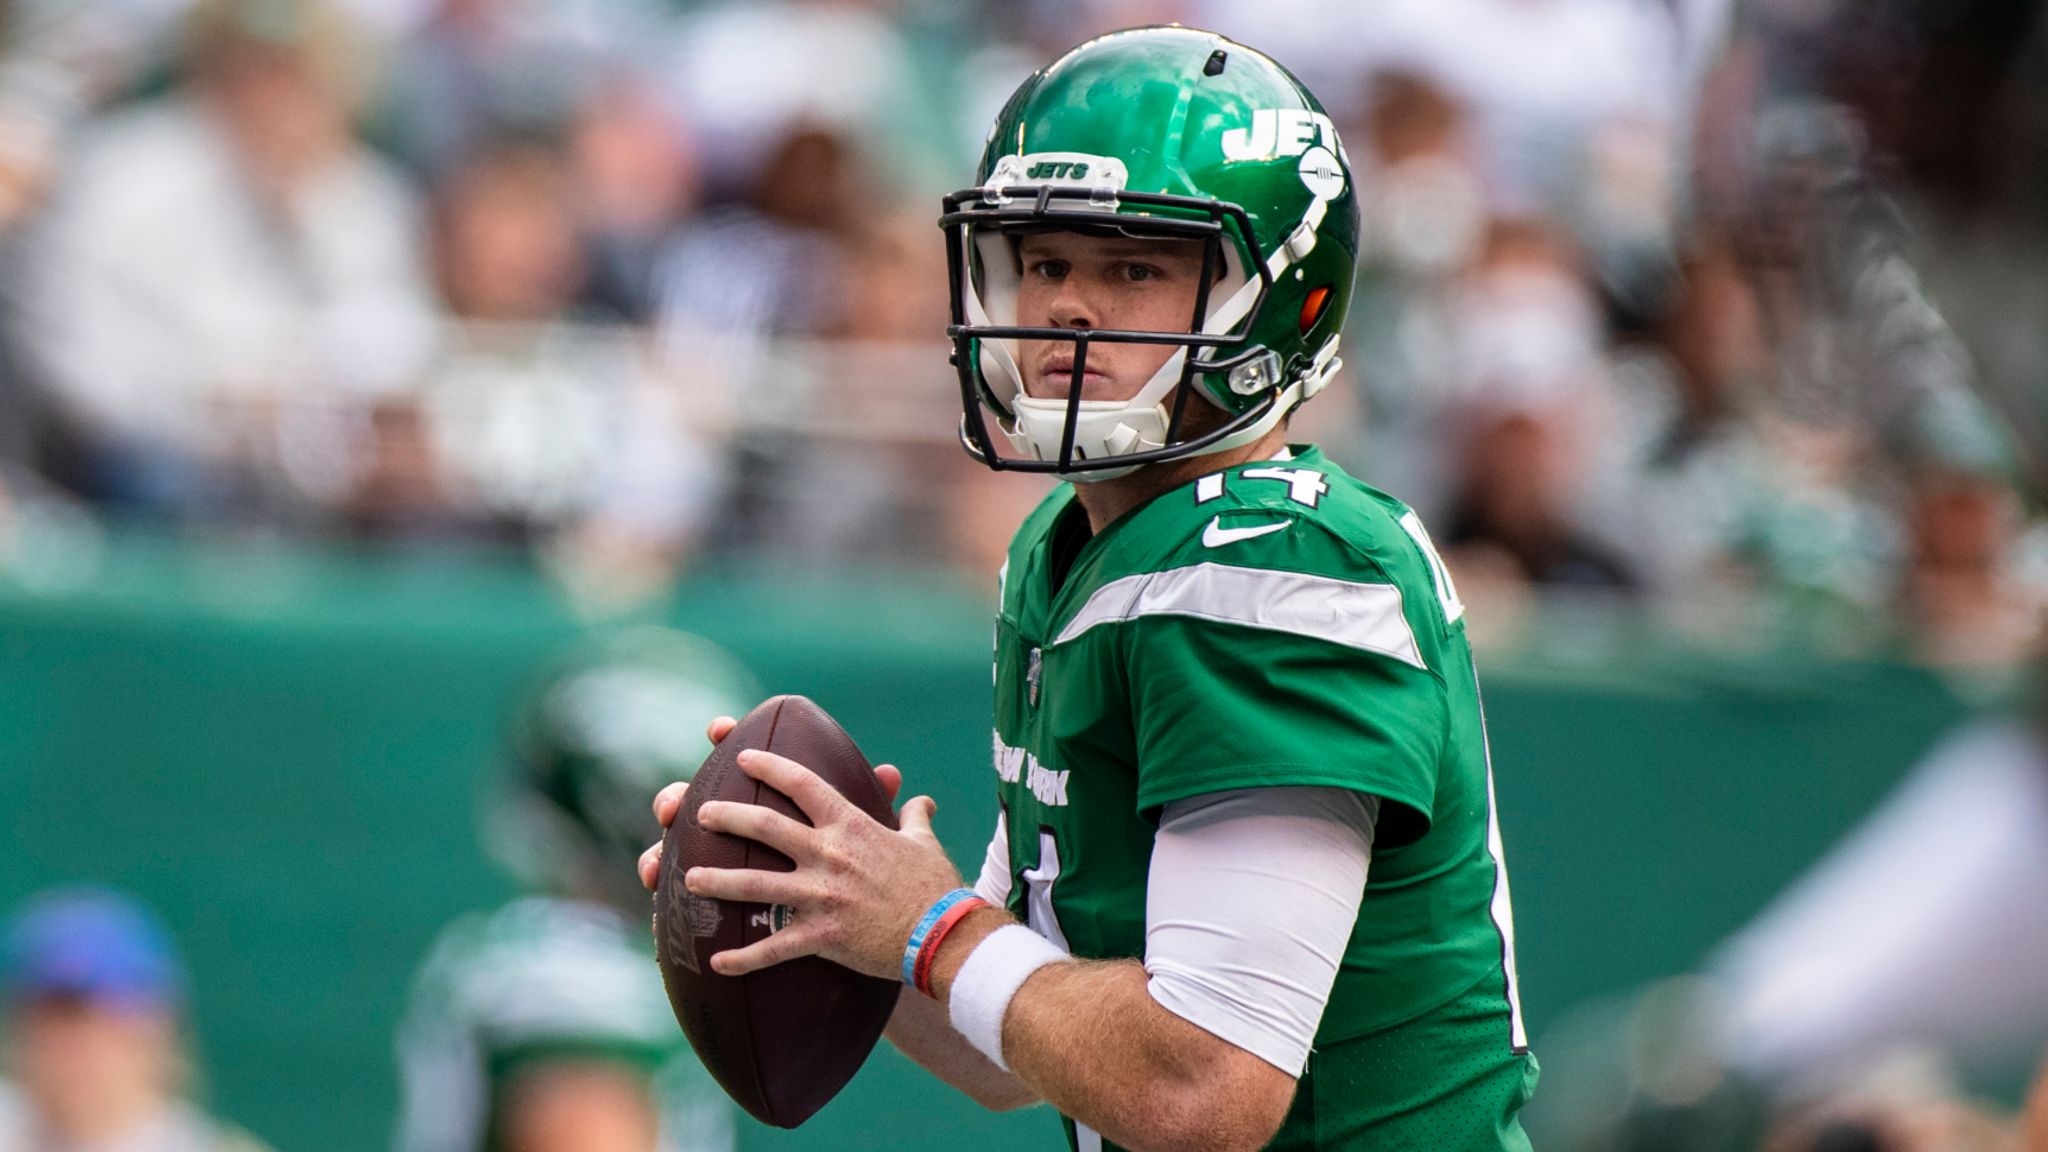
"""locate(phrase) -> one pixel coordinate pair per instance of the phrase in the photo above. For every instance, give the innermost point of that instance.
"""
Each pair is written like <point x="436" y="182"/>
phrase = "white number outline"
<point x="1446" y="592"/>
<point x="1304" y="485"/>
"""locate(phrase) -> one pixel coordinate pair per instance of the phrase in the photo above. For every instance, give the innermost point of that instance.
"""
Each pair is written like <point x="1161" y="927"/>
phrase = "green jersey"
<point x="1277" y="623"/>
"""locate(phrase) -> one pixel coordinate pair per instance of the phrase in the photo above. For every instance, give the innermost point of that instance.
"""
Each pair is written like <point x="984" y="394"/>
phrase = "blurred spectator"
<point x="1425" y="207"/>
<point x="581" y="73"/>
<point x="95" y="999"/>
<point x="219" y="253"/>
<point x="742" y="280"/>
<point x="1511" y="513"/>
<point x="1963" y="597"/>
<point x="747" y="72"/>
<point x="529" y="418"/>
<point x="774" y="264"/>
<point x="1696" y="455"/>
<point x="542" y="1025"/>
<point x="1533" y="412"/>
<point x="475" y="71"/>
<point x="636" y="171"/>
<point x="1726" y="500"/>
<point x="1423" y="221"/>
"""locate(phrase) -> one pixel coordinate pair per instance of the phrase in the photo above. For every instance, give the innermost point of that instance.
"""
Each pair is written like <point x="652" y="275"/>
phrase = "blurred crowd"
<point x="635" y="283"/>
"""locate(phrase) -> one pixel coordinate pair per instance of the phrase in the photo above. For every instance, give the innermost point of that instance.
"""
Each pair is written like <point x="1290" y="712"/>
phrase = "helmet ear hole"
<point x="1312" y="308"/>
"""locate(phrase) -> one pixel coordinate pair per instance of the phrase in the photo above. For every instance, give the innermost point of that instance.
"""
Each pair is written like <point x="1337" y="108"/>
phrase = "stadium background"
<point x="641" y="324"/>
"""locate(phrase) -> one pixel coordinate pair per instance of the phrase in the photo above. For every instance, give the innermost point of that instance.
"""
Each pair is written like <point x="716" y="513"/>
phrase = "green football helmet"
<point x="601" y="733"/>
<point x="1170" y="133"/>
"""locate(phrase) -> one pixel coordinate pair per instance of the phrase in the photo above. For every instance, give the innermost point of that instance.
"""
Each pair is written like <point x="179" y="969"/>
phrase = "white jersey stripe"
<point x="1503" y="905"/>
<point x="1354" y="614"/>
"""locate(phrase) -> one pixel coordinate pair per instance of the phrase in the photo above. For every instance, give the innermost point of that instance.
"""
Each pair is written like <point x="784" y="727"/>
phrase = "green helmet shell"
<point x="603" y="730"/>
<point x="1170" y="131"/>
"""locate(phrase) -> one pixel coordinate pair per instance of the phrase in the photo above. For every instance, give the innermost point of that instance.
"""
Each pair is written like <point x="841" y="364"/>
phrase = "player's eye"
<point x="1140" y="273"/>
<point x="1048" y="269"/>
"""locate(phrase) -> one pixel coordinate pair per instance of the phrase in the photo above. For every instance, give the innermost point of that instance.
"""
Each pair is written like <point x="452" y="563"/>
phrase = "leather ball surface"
<point x="784" y="1040"/>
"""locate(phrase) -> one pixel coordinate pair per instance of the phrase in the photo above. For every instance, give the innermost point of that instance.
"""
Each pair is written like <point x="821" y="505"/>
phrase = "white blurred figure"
<point x="95" y="997"/>
<point x="221" y="254"/>
<point x="1856" y="1009"/>
<point x="1927" y="928"/>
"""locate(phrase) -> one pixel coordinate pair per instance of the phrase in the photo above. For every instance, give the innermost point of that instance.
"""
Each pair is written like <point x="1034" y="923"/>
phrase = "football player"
<point x="1246" y="887"/>
<point x="542" y="1026"/>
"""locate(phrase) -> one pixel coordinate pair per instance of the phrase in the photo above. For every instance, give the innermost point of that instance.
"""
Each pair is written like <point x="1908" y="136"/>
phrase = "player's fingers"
<point x="750" y="885"/>
<point x="890" y="778"/>
<point x="720" y="727"/>
<point x="787" y="944"/>
<point x="819" y="800"/>
<point x="793" y="839"/>
<point x="668" y="802"/>
<point x="916" y="816"/>
<point x="650" y="866"/>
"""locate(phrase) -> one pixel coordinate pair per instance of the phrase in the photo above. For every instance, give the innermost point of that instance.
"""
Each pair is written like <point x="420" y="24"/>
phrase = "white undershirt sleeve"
<point x="993" y="885"/>
<point x="1250" y="903"/>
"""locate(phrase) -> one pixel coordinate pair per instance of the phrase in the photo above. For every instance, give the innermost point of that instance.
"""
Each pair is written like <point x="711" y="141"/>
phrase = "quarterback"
<point x="1246" y="887"/>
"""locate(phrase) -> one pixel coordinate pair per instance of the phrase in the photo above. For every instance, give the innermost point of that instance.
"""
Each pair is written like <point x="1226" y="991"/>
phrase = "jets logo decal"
<point x="1277" y="132"/>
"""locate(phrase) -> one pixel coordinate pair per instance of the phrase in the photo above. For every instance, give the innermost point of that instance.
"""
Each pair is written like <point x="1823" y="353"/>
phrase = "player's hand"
<point x="669" y="800"/>
<point x="858" y="887"/>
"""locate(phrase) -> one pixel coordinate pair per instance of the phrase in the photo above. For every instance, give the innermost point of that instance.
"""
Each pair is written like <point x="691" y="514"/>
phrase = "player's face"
<point x="1070" y="280"/>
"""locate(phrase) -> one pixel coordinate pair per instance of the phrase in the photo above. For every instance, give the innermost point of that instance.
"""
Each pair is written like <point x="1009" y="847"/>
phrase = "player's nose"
<point x="1073" y="307"/>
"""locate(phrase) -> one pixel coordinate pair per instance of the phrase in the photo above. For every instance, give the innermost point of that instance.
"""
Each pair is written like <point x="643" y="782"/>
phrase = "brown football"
<point x="784" y="1040"/>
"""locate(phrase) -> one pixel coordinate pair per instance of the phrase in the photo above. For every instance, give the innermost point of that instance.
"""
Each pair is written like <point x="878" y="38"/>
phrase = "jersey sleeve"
<point x="1249" y="675"/>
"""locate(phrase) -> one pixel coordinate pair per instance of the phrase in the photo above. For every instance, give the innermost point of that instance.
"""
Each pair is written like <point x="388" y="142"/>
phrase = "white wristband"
<point x="985" y="984"/>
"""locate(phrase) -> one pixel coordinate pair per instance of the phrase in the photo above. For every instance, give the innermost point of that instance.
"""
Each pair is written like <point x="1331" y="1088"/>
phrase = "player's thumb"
<point x="916" y="816"/>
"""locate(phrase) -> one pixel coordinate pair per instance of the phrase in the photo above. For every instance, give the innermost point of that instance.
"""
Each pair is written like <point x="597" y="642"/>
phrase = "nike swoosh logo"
<point x="1216" y="535"/>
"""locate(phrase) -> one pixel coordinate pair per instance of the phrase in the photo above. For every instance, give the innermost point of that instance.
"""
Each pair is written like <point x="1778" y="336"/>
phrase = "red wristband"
<point x="928" y="952"/>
